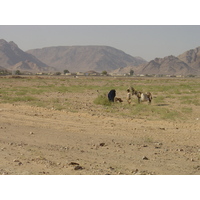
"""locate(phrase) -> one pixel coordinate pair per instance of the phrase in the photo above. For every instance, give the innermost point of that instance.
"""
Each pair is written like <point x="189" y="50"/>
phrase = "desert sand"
<point x="45" y="141"/>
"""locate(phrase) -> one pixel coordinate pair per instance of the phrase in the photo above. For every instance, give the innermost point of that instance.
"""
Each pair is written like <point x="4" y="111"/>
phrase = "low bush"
<point x="102" y="100"/>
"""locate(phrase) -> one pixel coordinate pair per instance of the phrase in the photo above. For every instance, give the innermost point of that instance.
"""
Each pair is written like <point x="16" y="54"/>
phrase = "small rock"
<point x="73" y="163"/>
<point x="78" y="167"/>
<point x="145" y="158"/>
<point x="158" y="143"/>
<point x="42" y="172"/>
<point x="15" y="160"/>
<point x="135" y="171"/>
<point x="102" y="144"/>
<point x="180" y="149"/>
<point x="31" y="133"/>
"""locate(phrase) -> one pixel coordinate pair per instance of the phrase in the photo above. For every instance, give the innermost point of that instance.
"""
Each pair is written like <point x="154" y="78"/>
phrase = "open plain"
<point x="64" y="125"/>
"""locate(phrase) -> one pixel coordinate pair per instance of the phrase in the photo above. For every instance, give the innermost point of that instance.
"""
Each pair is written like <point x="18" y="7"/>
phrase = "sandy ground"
<point x="37" y="141"/>
<point x="41" y="141"/>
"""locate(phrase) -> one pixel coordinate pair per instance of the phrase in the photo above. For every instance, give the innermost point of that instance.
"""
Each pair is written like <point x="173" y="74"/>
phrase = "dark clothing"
<point x="111" y="95"/>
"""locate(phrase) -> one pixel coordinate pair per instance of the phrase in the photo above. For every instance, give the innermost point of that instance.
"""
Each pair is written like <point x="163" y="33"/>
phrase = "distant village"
<point x="88" y="73"/>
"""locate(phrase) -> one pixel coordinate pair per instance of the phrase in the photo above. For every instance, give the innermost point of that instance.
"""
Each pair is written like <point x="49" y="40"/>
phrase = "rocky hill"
<point x="85" y="58"/>
<point x="191" y="58"/>
<point x="187" y="63"/>
<point x="169" y="65"/>
<point x="11" y="56"/>
<point x="29" y="66"/>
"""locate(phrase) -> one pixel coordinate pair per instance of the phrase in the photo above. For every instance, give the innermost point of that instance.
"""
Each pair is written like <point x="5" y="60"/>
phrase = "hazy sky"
<point x="145" y="41"/>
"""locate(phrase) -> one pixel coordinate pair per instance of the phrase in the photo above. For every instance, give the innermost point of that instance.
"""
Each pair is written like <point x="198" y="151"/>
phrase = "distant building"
<point x="80" y="74"/>
<point x="92" y="73"/>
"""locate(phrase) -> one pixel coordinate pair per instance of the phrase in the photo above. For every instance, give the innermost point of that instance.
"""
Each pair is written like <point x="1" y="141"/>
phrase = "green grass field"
<point x="173" y="98"/>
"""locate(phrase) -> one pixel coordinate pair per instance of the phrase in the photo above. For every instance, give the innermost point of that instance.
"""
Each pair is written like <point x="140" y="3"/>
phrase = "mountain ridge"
<point x="187" y="63"/>
<point x="95" y="58"/>
<point x="85" y="58"/>
<point x="11" y="55"/>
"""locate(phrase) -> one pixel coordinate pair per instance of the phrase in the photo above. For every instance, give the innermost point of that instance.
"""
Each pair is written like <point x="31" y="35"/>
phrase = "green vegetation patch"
<point x="102" y="100"/>
<point x="11" y="99"/>
<point x="172" y="97"/>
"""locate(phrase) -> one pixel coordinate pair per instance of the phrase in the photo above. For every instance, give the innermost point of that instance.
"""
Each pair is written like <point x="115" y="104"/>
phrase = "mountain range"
<point x="13" y="58"/>
<point x="96" y="58"/>
<point x="187" y="63"/>
<point x="85" y="58"/>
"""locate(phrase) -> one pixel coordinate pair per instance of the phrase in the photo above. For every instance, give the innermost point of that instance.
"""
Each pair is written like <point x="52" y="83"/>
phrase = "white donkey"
<point x="142" y="96"/>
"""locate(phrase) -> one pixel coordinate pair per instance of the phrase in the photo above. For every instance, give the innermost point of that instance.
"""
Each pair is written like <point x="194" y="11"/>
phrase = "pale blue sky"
<point x="145" y="41"/>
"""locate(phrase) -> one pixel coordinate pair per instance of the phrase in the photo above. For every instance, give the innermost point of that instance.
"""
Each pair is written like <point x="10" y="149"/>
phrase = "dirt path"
<point x="43" y="141"/>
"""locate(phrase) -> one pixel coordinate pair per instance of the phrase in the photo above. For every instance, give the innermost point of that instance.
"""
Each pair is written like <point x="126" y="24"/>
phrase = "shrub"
<point x="102" y="100"/>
